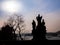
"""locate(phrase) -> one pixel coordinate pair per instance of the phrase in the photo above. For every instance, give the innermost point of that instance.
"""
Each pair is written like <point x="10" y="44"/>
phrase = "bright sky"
<point x="49" y="9"/>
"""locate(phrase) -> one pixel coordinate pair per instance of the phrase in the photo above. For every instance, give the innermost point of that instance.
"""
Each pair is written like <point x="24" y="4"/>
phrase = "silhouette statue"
<point x="39" y="31"/>
<point x="34" y="27"/>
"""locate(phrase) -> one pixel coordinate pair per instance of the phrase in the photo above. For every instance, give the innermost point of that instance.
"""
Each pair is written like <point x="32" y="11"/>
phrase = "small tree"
<point x="18" y="23"/>
<point x="6" y="33"/>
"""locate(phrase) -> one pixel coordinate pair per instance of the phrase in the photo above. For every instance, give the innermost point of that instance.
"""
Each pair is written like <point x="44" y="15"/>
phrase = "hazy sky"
<point x="49" y="9"/>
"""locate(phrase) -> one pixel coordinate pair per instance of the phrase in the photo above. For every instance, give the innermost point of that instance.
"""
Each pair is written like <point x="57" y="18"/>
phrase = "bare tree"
<point x="18" y="23"/>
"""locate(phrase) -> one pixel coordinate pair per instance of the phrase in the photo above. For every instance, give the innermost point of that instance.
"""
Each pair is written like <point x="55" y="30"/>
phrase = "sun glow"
<point x="11" y="6"/>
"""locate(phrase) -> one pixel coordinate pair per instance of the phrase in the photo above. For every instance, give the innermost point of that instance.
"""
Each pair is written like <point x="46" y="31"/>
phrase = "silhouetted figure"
<point x="34" y="29"/>
<point x="6" y="33"/>
<point x="39" y="33"/>
<point x="44" y="29"/>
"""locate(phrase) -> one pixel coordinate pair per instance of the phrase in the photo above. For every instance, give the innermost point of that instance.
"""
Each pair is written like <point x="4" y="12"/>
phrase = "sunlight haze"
<point x="49" y="9"/>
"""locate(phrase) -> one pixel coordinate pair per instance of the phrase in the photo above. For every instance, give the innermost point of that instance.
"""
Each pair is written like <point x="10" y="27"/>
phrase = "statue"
<point x="39" y="31"/>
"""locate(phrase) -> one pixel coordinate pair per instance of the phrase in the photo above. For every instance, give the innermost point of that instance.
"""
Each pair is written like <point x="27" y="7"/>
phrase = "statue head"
<point x="43" y="22"/>
<point x="39" y="17"/>
<point x="33" y="23"/>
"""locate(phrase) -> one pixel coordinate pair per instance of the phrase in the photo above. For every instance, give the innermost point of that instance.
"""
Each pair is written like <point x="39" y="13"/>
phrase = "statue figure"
<point x="39" y="31"/>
